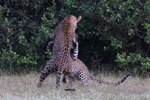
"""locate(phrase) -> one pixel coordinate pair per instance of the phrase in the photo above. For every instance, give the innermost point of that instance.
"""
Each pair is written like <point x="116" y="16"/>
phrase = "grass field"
<point x="23" y="87"/>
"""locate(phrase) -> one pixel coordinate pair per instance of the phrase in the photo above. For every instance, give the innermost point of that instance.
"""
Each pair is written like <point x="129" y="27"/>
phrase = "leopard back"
<point x="64" y="34"/>
<point x="79" y="70"/>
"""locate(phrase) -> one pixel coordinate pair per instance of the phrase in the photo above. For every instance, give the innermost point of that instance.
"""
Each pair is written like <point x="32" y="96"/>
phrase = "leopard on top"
<point x="64" y="34"/>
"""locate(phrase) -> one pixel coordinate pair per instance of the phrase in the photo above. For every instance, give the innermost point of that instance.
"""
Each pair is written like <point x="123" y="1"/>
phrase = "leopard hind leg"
<point x="83" y="78"/>
<point x="49" y="68"/>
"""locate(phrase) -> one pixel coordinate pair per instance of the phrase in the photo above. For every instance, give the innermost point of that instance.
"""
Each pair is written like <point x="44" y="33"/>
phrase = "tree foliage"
<point x="111" y="31"/>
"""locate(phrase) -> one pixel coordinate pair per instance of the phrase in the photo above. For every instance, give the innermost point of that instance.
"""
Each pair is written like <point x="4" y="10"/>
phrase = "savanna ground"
<point x="23" y="87"/>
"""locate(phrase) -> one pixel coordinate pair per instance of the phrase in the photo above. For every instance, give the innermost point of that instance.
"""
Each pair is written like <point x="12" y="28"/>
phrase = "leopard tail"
<point x="110" y="83"/>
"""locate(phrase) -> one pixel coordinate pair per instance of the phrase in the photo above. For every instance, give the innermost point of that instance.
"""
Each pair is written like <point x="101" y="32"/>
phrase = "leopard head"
<point x="72" y="21"/>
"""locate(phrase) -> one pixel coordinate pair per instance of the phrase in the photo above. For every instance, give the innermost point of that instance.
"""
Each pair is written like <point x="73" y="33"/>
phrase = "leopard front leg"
<point x="68" y="79"/>
<point x="65" y="79"/>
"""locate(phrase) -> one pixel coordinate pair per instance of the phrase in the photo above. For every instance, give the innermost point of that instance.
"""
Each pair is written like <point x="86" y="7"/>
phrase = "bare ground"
<point x="23" y="87"/>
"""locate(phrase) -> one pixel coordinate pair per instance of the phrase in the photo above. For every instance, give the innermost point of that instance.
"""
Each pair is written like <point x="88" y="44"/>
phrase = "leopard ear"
<point x="78" y="19"/>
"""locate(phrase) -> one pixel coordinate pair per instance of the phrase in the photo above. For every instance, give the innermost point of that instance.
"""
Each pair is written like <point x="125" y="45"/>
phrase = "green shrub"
<point x="111" y="31"/>
<point x="136" y="61"/>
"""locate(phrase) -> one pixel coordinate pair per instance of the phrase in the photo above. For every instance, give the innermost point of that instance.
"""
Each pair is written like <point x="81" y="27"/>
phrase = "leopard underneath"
<point x="79" y="70"/>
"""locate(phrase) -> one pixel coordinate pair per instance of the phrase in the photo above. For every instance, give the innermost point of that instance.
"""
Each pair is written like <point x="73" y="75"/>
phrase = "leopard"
<point x="74" y="51"/>
<point x="61" y="58"/>
<point x="74" y="47"/>
<point x="80" y="71"/>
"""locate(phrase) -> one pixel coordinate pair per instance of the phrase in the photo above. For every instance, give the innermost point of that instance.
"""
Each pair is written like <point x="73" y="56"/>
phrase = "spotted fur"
<point x="79" y="70"/>
<point x="74" y="47"/>
<point x="64" y="34"/>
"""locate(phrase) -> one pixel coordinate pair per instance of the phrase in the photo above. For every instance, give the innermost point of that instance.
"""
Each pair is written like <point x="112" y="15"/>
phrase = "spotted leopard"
<point x="80" y="71"/>
<point x="74" y="47"/>
<point x="60" y="61"/>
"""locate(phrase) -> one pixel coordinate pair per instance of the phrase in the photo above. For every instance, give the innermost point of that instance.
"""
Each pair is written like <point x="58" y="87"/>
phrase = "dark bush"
<point x="111" y="31"/>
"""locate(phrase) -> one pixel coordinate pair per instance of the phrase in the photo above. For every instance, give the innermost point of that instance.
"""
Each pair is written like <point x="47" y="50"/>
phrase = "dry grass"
<point x="23" y="87"/>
